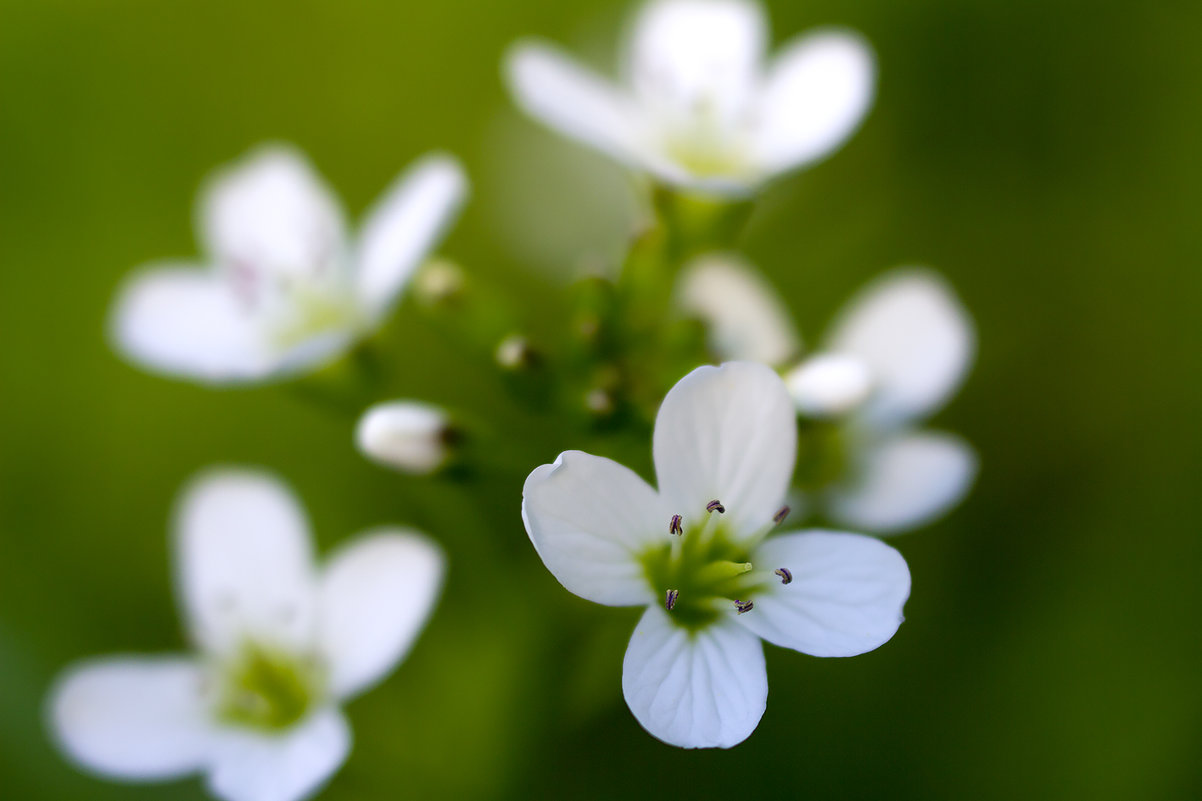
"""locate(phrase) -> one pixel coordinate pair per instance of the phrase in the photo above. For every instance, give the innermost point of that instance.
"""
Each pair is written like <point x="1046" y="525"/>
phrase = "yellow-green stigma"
<point x="312" y="311"/>
<point x="268" y="689"/>
<point x="701" y="571"/>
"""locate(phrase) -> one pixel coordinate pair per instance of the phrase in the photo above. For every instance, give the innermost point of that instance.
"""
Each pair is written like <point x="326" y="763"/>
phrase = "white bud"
<point x="828" y="385"/>
<point x="746" y="319"/>
<point x="407" y="435"/>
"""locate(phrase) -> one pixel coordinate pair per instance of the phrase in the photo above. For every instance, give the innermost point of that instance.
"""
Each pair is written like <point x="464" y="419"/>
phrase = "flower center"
<point x="704" y="571"/>
<point x="264" y="688"/>
<point x="308" y="311"/>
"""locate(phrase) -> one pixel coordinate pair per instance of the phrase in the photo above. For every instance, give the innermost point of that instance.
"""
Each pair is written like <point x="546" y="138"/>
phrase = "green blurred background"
<point x="1043" y="155"/>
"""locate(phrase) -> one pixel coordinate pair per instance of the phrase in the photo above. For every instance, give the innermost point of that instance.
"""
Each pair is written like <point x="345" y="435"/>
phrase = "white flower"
<point x="699" y="108"/>
<point x="283" y="289"/>
<point x="280" y="643"/>
<point x="746" y="319"/>
<point x="894" y="356"/>
<point x="695" y="553"/>
<point x="407" y="435"/>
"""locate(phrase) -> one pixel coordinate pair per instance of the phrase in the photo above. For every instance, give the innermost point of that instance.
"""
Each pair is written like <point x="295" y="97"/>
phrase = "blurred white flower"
<point x="280" y="643"/>
<point x="407" y="435"/>
<point x="694" y="552"/>
<point x="698" y="107"/>
<point x="745" y="318"/>
<point x="283" y="289"/>
<point x="894" y="356"/>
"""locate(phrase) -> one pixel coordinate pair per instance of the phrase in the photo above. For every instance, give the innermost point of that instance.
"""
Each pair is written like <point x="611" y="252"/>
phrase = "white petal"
<point x="244" y="562"/>
<point x="185" y="322"/>
<point x="271" y="213"/>
<point x="132" y="718"/>
<point x="746" y="318"/>
<point x="915" y="337"/>
<point x="374" y="598"/>
<point x="589" y="518"/>
<point x="407" y="435"/>
<point x="575" y="101"/>
<point x="703" y="689"/>
<point x="405" y="224"/>
<point x="905" y="481"/>
<point x="828" y="384"/>
<point x="249" y="766"/>
<point x="816" y="92"/>
<point x="691" y="54"/>
<point x="726" y="433"/>
<point x="845" y="598"/>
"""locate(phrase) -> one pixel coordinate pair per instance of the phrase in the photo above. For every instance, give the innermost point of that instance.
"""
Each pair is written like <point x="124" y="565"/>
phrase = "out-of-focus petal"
<point x="916" y="338"/>
<point x="244" y="562"/>
<point x="271" y="213"/>
<point x="405" y="224"/>
<point x="726" y="433"/>
<point x="686" y="55"/>
<point x="845" y="596"/>
<point x="816" y="92"/>
<point x="700" y="689"/>
<point x="575" y="101"/>
<point x="375" y="596"/>
<point x="186" y="322"/>
<point x="289" y="766"/>
<point x="589" y="518"/>
<point x="828" y="384"/>
<point x="132" y="717"/>
<point x="904" y="481"/>
<point x="746" y="318"/>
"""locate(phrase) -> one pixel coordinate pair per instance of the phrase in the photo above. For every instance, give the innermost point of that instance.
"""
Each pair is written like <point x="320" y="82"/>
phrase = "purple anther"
<point x="785" y="575"/>
<point x="715" y="506"/>
<point x="780" y="516"/>
<point x="743" y="606"/>
<point x="670" y="601"/>
<point x="674" y="526"/>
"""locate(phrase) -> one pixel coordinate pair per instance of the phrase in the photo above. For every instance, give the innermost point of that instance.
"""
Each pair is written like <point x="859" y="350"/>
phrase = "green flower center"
<point x="823" y="454"/>
<point x="268" y="689"/>
<point x="704" y="571"/>
<point x="311" y="311"/>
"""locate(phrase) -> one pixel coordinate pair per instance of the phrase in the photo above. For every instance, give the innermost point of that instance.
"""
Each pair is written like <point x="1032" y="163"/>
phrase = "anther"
<point x="715" y="506"/>
<point x="743" y="606"/>
<point x="780" y="516"/>
<point x="674" y="526"/>
<point x="785" y="575"/>
<point x="670" y="600"/>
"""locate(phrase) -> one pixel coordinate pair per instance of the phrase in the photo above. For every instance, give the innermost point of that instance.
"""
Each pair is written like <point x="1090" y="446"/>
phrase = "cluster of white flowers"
<point x="741" y="451"/>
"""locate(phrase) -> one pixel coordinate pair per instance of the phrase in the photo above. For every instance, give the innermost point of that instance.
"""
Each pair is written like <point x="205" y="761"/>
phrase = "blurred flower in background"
<point x="280" y="644"/>
<point x="694" y="552"/>
<point x="697" y="106"/>
<point x="285" y="290"/>
<point x="895" y="354"/>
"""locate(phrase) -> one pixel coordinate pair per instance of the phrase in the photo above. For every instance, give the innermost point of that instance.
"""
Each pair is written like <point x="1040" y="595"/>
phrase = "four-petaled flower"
<point x="698" y="555"/>
<point x="700" y="109"/>
<point x="284" y="290"/>
<point x="280" y="645"/>
<point x="895" y="354"/>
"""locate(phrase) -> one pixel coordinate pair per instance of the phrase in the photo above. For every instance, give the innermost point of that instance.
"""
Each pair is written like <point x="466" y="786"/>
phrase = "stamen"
<point x="743" y="606"/>
<point x="674" y="526"/>
<point x="785" y="575"/>
<point x="715" y="506"/>
<point x="670" y="601"/>
<point x="780" y="516"/>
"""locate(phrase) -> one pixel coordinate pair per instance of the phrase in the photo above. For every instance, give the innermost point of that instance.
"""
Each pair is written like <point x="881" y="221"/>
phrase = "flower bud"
<point x="410" y="436"/>
<point x="828" y="385"/>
